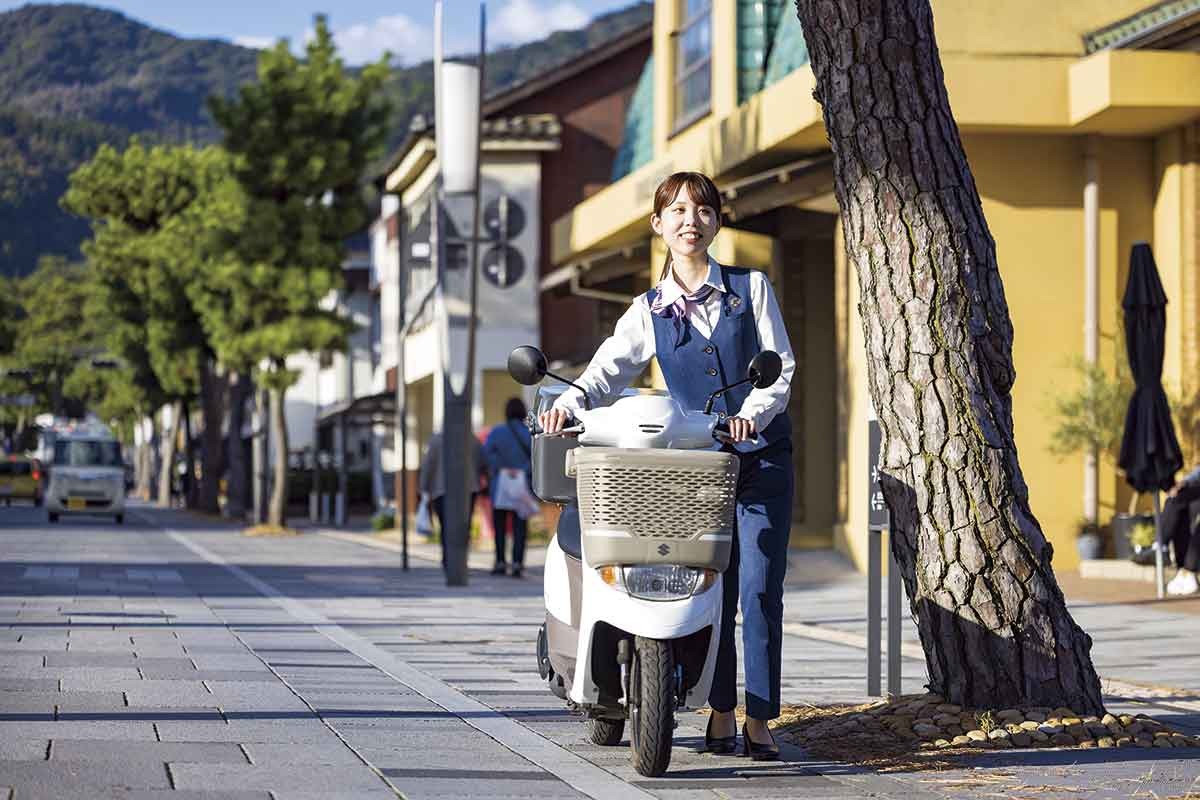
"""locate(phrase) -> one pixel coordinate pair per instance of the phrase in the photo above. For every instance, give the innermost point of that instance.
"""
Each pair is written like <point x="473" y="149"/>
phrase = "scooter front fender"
<point x="651" y="619"/>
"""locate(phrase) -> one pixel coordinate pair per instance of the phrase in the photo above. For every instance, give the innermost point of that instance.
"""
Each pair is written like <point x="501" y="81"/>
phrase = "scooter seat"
<point x="569" y="537"/>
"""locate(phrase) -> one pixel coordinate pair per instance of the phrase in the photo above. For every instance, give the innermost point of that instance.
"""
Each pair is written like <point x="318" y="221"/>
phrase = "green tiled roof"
<point x="1152" y="17"/>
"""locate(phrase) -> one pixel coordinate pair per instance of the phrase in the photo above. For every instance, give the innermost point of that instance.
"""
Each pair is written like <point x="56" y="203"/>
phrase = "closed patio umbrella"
<point x="1150" y="454"/>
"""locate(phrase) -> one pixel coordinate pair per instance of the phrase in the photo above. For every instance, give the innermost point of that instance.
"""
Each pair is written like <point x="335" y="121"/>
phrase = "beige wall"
<point x="1032" y="189"/>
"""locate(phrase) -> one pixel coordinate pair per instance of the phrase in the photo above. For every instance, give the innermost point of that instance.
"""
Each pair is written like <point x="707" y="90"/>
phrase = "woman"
<point x="704" y="322"/>
<point x="507" y="448"/>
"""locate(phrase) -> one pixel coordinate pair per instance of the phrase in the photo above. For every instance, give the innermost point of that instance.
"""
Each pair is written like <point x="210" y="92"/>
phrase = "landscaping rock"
<point x="977" y="735"/>
<point x="949" y="708"/>
<point x="1035" y="716"/>
<point x="1106" y="742"/>
<point x="1029" y="725"/>
<point x="1022" y="739"/>
<point x="959" y="741"/>
<point x="1062" y="740"/>
<point x="1050" y="730"/>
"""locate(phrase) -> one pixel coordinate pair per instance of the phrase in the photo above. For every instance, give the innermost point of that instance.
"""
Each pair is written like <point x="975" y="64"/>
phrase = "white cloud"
<point x="255" y="42"/>
<point x="520" y="21"/>
<point x="408" y="41"/>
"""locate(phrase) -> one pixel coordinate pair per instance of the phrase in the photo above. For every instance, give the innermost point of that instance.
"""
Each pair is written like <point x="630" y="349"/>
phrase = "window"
<point x="87" y="453"/>
<point x="693" y="62"/>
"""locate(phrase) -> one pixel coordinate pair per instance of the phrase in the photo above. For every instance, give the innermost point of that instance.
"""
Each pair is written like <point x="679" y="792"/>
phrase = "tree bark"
<point x="167" y="467"/>
<point x="212" y="399"/>
<point x="236" y="487"/>
<point x="277" y="514"/>
<point x="976" y="566"/>
<point x="188" y="485"/>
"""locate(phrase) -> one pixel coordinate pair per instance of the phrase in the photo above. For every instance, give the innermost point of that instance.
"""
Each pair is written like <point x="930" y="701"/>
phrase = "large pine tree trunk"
<point x="212" y="399"/>
<point x="277" y="513"/>
<point x="167" y="468"/>
<point x="236" y="488"/>
<point x="976" y="566"/>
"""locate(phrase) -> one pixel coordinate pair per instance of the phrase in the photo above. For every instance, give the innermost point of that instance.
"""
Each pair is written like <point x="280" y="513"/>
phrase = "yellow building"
<point x="1078" y="118"/>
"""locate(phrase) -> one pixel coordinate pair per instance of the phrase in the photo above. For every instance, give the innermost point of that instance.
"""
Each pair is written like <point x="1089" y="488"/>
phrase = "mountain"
<point x="74" y="76"/>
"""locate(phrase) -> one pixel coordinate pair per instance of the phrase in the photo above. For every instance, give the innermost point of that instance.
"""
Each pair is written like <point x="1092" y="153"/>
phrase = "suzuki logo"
<point x="663" y="549"/>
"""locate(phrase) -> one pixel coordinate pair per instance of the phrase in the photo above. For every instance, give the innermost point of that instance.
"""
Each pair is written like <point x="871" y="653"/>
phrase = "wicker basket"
<point x="649" y="506"/>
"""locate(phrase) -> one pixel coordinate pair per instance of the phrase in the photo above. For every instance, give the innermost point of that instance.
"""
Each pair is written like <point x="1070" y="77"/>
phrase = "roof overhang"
<point x="370" y="410"/>
<point x="1114" y="92"/>
<point x="1134" y="92"/>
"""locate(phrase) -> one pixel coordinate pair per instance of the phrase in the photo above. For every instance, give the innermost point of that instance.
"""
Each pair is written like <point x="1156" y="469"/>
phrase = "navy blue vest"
<point x="699" y="366"/>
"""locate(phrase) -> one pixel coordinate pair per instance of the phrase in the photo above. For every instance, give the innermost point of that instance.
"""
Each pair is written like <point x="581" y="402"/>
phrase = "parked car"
<point x="87" y="476"/>
<point x="20" y="478"/>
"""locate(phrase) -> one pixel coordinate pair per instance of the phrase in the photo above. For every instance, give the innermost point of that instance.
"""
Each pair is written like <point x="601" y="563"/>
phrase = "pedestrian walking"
<point x="704" y="322"/>
<point x="507" y="452"/>
<point x="431" y="482"/>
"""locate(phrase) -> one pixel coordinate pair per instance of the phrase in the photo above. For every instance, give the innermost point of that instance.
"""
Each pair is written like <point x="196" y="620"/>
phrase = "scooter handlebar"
<point x="721" y="432"/>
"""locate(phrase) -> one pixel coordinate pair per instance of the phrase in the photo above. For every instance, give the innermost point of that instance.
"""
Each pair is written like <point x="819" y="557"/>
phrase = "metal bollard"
<point x="875" y="618"/>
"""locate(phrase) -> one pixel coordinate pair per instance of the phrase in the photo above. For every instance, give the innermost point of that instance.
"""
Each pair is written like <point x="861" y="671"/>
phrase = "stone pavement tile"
<point x="344" y="781"/>
<point x="23" y="750"/>
<point x="249" y="663"/>
<point x="86" y="658"/>
<point x="193" y="674"/>
<point x="159" y="752"/>
<point x="267" y="696"/>
<point x="88" y="679"/>
<point x="444" y="753"/>
<point x="268" y="754"/>
<point x="22" y="660"/>
<point x="247" y="730"/>
<point x="37" y="779"/>
<point x="65" y="701"/>
<point x="482" y="783"/>
<point x="133" y="730"/>
<point x="167" y="693"/>
<point x="152" y="794"/>
<point x="8" y="684"/>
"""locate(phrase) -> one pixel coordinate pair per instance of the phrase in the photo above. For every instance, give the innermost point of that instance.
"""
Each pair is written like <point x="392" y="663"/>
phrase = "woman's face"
<point x="687" y="227"/>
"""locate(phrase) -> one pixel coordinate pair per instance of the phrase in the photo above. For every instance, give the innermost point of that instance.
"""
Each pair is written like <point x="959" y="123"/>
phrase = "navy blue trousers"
<point x="756" y="570"/>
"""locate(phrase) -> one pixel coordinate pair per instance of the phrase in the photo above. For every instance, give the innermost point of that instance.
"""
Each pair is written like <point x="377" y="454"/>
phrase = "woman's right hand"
<point x="554" y="420"/>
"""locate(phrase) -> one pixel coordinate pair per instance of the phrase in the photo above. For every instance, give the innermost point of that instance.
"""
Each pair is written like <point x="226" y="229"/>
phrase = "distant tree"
<point x="145" y="255"/>
<point x="47" y="342"/>
<point x="301" y="137"/>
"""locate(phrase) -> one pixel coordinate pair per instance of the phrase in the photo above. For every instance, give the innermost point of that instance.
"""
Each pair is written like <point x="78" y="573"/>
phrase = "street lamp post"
<point x="457" y="94"/>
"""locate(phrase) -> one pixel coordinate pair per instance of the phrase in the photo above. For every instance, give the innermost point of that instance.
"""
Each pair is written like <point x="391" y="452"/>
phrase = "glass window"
<point x="87" y="453"/>
<point x="693" y="62"/>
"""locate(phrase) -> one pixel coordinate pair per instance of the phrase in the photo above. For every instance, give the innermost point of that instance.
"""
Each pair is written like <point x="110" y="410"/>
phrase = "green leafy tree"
<point x="145" y="251"/>
<point x="48" y="342"/>
<point x="301" y="137"/>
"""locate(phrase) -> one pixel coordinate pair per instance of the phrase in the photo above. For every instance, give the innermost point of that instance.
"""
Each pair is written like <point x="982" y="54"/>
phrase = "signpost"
<point x="878" y="521"/>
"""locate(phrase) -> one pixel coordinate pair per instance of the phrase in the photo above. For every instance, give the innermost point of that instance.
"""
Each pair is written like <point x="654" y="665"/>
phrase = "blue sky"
<point x="364" y="28"/>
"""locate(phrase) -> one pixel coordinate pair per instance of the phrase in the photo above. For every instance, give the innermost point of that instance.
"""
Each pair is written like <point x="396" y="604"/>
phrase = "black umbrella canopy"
<point x="1150" y="454"/>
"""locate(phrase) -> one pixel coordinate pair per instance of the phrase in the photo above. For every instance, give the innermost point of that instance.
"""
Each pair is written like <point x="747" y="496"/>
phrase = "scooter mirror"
<point x="527" y="365"/>
<point x="763" y="371"/>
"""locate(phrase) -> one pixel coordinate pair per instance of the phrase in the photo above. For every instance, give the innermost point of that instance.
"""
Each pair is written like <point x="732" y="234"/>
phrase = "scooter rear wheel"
<point x="652" y="713"/>
<point x="606" y="732"/>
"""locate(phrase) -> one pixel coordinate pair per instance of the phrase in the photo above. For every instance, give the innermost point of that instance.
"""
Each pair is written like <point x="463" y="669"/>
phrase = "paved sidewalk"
<point x="174" y="657"/>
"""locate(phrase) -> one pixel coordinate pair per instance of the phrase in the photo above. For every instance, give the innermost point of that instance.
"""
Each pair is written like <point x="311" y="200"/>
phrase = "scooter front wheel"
<point x="652" y="710"/>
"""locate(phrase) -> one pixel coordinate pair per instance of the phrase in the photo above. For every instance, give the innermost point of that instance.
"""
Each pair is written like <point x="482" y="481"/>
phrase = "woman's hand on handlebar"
<point x="554" y="420"/>
<point x="740" y="430"/>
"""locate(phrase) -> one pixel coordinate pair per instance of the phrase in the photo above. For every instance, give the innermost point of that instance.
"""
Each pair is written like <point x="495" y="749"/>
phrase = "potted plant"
<point x="1141" y="540"/>
<point x="1089" y="541"/>
<point x="1091" y="419"/>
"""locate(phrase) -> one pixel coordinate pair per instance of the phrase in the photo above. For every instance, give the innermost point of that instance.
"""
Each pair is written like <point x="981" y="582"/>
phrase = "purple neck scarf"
<point x="677" y="311"/>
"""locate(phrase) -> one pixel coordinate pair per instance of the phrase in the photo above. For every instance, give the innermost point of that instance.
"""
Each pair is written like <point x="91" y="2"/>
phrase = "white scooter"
<point x="633" y="575"/>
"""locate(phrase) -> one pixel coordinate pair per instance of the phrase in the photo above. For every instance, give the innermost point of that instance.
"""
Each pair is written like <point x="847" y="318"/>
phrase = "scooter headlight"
<point x="659" y="582"/>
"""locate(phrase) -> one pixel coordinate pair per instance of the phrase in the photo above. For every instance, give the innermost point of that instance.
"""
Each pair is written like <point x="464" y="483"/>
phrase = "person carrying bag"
<point x="507" y="451"/>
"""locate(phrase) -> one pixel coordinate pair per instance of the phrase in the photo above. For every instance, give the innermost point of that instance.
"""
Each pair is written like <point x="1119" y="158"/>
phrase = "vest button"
<point x="720" y="415"/>
<point x="712" y="372"/>
<point x="708" y="348"/>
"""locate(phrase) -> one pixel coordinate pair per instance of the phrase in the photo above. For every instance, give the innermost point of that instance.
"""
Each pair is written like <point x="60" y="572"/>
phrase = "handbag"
<point x="424" y="522"/>
<point x="512" y="493"/>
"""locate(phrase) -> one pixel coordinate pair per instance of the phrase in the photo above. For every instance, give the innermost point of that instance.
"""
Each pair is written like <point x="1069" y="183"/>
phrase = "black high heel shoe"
<point x="719" y="745"/>
<point x="759" y="752"/>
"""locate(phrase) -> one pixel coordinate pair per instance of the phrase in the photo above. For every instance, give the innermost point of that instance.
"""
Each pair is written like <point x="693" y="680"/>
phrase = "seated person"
<point x="1178" y="518"/>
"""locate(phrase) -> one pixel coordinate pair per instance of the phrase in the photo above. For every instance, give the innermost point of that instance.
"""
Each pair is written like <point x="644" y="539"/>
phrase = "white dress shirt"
<point x="624" y="355"/>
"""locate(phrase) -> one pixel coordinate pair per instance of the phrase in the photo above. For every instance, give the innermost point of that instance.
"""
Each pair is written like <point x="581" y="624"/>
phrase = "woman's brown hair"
<point x="700" y="188"/>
